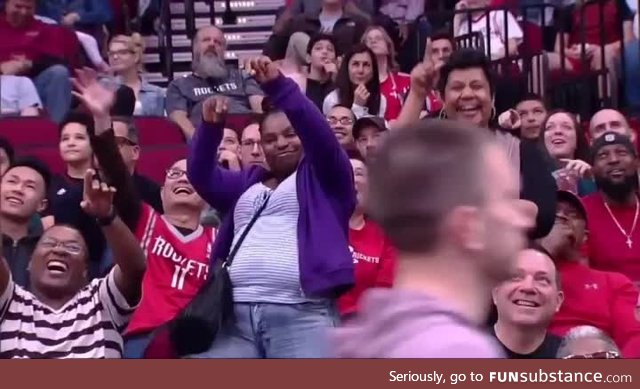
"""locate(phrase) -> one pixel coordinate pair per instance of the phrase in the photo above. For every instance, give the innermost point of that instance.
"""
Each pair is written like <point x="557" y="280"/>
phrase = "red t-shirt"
<point x="395" y="89"/>
<point x="608" y="250"/>
<point x="32" y="41"/>
<point x="605" y="300"/>
<point x="374" y="263"/>
<point x="177" y="266"/>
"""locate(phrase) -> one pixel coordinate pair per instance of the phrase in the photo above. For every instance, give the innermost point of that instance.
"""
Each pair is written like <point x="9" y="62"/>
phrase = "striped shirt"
<point x="88" y="326"/>
<point x="265" y="269"/>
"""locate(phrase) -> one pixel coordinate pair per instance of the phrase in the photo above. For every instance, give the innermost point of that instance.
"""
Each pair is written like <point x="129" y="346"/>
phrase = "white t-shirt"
<point x="16" y="94"/>
<point x="327" y="22"/>
<point x="497" y="30"/>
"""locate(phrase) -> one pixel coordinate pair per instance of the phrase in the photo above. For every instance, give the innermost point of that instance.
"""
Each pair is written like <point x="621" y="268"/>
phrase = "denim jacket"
<point x="151" y="96"/>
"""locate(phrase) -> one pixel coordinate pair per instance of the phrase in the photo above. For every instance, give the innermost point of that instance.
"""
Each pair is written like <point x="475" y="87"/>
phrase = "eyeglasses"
<point x="250" y="143"/>
<point x="124" y="141"/>
<point x="119" y="53"/>
<point x="596" y="355"/>
<point x="174" y="174"/>
<point x="68" y="247"/>
<point x="344" y="121"/>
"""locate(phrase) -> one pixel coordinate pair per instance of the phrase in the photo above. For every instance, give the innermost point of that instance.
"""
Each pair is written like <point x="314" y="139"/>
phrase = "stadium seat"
<point x="239" y="121"/>
<point x="155" y="130"/>
<point x="29" y="131"/>
<point x="155" y="160"/>
<point x="49" y="155"/>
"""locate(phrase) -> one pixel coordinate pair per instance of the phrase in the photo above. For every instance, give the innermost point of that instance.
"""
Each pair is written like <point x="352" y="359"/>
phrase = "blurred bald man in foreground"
<point x="442" y="192"/>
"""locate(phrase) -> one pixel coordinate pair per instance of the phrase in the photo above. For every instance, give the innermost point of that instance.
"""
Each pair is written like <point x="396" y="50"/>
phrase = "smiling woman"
<point x="467" y="86"/>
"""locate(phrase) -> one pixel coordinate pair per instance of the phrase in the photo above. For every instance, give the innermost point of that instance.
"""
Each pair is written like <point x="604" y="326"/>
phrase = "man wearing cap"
<point x="602" y="299"/>
<point x="368" y="132"/>
<point x="610" y="120"/>
<point x="614" y="210"/>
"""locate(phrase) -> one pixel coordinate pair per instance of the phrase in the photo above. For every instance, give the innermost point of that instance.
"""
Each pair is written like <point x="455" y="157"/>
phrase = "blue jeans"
<point x="54" y="87"/>
<point x="275" y="331"/>
<point x="135" y="346"/>
<point x="632" y="74"/>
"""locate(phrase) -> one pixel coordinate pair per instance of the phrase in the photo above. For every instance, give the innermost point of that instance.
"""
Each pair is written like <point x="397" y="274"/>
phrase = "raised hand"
<point x="330" y="68"/>
<point x="509" y="120"/>
<point x="582" y="168"/>
<point x="262" y="69"/>
<point x="422" y="77"/>
<point x="361" y="95"/>
<point x="97" y="196"/>
<point x="230" y="160"/>
<point x="214" y="109"/>
<point x="93" y="95"/>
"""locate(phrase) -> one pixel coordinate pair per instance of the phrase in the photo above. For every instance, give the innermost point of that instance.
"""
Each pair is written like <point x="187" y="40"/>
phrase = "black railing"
<point x="532" y="54"/>
<point x="165" y="39"/>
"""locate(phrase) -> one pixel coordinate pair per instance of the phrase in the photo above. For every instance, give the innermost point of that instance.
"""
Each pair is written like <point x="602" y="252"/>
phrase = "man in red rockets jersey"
<point x="605" y="300"/>
<point x="373" y="254"/>
<point x="176" y="245"/>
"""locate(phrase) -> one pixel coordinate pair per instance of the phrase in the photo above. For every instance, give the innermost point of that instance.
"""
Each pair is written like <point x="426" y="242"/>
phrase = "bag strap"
<point x="253" y="220"/>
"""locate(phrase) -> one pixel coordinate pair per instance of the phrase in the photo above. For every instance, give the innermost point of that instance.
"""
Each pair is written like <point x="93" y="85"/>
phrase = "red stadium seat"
<point x="155" y="160"/>
<point x="49" y="155"/>
<point x="155" y="130"/>
<point x="29" y="131"/>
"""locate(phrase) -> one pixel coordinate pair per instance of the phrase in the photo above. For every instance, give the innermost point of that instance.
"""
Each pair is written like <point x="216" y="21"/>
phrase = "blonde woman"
<point x="394" y="85"/>
<point x="125" y="59"/>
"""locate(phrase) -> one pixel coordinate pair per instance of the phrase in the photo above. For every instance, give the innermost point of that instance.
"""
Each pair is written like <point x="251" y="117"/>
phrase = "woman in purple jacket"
<point x="295" y="260"/>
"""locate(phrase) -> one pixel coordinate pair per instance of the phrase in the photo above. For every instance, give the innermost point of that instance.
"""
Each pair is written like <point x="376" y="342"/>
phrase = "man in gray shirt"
<point x="447" y="197"/>
<point x="211" y="76"/>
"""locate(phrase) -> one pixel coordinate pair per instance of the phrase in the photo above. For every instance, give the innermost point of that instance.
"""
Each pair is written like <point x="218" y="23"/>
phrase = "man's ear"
<point x="43" y="205"/>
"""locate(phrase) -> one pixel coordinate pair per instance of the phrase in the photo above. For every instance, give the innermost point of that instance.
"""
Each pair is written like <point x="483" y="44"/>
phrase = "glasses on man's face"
<point x="344" y="121"/>
<point x="70" y="248"/>
<point x="250" y="143"/>
<point x="124" y="141"/>
<point x="174" y="174"/>
<point x="596" y="355"/>
<point x="119" y="53"/>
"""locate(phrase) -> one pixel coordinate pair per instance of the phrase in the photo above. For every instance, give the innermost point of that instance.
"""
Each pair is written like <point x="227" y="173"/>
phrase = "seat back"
<point x="155" y="160"/>
<point x="29" y="131"/>
<point x="155" y="130"/>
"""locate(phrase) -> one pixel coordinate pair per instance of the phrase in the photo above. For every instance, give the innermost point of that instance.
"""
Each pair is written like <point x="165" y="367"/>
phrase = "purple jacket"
<point x="326" y="193"/>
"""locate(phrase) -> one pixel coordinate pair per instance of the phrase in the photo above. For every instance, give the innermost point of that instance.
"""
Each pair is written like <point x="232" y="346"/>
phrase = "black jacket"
<point x="18" y="254"/>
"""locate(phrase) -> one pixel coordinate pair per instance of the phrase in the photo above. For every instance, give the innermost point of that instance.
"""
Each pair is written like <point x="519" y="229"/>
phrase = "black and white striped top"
<point x="88" y="326"/>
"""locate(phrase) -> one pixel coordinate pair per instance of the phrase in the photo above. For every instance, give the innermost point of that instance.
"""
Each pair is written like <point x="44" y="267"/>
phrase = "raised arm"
<point x="97" y="201"/>
<point x="219" y="187"/>
<point x="98" y="99"/>
<point x="321" y="147"/>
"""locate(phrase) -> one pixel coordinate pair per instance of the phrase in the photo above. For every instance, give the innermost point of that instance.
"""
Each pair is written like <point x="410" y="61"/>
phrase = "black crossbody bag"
<point x="195" y="328"/>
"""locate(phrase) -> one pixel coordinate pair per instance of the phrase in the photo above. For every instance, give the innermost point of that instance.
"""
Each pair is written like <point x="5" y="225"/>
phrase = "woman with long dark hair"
<point x="358" y="85"/>
<point x="567" y="146"/>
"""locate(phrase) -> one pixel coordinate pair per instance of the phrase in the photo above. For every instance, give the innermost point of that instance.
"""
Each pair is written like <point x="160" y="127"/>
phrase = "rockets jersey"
<point x="177" y="266"/>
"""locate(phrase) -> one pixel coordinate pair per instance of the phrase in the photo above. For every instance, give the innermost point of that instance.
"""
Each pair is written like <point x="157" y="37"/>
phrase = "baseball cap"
<point x="368" y="121"/>
<point x="571" y="198"/>
<point x="612" y="138"/>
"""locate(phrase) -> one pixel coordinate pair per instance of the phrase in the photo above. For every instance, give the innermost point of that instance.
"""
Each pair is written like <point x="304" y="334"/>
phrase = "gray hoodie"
<point x="395" y="323"/>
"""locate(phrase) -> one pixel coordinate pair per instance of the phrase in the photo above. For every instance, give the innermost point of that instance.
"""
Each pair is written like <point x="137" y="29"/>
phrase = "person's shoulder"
<point x="590" y="200"/>
<point x="185" y="79"/>
<point x="448" y="339"/>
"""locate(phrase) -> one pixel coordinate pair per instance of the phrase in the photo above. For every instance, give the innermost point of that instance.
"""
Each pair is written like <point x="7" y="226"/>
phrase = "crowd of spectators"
<point x="410" y="181"/>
